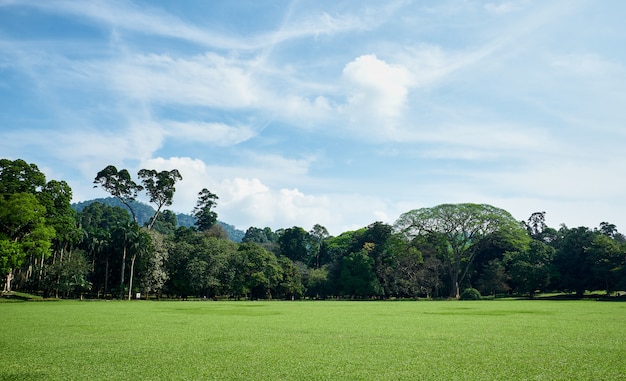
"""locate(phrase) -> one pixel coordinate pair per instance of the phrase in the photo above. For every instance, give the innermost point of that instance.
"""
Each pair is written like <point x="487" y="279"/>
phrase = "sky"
<point x="338" y="113"/>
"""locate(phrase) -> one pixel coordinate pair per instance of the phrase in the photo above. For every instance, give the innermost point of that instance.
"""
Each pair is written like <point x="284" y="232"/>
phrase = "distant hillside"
<point x="145" y="212"/>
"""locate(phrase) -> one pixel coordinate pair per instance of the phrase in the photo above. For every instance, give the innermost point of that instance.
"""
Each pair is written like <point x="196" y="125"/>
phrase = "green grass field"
<point x="331" y="340"/>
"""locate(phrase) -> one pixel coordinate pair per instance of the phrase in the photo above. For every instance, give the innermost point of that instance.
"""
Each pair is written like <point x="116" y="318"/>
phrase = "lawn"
<point x="330" y="340"/>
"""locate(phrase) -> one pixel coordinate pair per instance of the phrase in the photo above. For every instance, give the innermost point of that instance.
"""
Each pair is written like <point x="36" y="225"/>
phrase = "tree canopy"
<point x="460" y="226"/>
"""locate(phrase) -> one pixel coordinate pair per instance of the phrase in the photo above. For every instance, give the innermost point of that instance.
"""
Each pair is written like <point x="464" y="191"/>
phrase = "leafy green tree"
<point x="23" y="231"/>
<point x="571" y="260"/>
<point x="295" y="244"/>
<point x="140" y="247"/>
<point x="198" y="264"/>
<point x="98" y="222"/>
<point x="335" y="248"/>
<point x="160" y="187"/>
<point x="23" y="226"/>
<point x="179" y="254"/>
<point x="399" y="267"/>
<point x="317" y="236"/>
<point x="11" y="256"/>
<point x="606" y="256"/>
<point x="429" y="276"/>
<point x="217" y="231"/>
<point x="357" y="277"/>
<point x="610" y="230"/>
<point x="205" y="217"/>
<point x="290" y="286"/>
<point x="234" y="278"/>
<point x="317" y="283"/>
<point x="493" y="278"/>
<point x="120" y="185"/>
<point x="126" y="236"/>
<point x="378" y="234"/>
<point x="263" y="273"/>
<point x="166" y="222"/>
<point x="488" y="252"/>
<point x="461" y="226"/>
<point x="18" y="176"/>
<point x="153" y="276"/>
<point x="56" y="197"/>
<point x="264" y="237"/>
<point x="69" y="277"/>
<point x="531" y="269"/>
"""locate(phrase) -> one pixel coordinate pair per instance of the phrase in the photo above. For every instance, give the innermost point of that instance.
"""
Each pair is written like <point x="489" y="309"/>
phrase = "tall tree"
<point x="461" y="226"/>
<point x="160" y="188"/>
<point x="120" y="185"/>
<point x="317" y="234"/>
<point x="205" y="217"/>
<point x="23" y="231"/>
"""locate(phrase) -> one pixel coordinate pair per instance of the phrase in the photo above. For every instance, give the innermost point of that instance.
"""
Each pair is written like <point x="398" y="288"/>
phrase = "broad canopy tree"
<point x="459" y="226"/>
<point x="120" y="185"/>
<point x="160" y="188"/>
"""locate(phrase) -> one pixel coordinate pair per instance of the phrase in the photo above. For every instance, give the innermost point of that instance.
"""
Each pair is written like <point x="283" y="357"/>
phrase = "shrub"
<point x="470" y="294"/>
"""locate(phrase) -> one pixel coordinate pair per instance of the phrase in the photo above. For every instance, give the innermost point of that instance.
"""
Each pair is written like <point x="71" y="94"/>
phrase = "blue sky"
<point x="340" y="113"/>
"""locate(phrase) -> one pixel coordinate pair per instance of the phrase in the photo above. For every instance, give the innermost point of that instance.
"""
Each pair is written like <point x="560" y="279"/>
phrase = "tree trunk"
<point x="123" y="268"/>
<point x="454" y="283"/>
<point x="106" y="276"/>
<point x="7" y="285"/>
<point x="41" y="268"/>
<point x="132" y="270"/>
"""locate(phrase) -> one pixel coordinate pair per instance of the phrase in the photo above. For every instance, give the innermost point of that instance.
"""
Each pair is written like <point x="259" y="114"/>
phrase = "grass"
<point x="149" y="340"/>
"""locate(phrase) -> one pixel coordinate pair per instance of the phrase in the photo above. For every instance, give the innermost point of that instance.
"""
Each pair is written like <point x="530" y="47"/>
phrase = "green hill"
<point x="145" y="212"/>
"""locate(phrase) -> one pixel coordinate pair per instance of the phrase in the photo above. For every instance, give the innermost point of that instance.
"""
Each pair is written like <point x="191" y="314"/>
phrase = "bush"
<point x="470" y="294"/>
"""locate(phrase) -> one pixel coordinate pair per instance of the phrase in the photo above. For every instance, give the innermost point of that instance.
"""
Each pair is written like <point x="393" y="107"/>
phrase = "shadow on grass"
<point x="592" y="296"/>
<point x="23" y="297"/>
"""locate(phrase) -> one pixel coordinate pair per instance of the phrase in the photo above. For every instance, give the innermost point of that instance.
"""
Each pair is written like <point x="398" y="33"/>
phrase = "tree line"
<point x="48" y="248"/>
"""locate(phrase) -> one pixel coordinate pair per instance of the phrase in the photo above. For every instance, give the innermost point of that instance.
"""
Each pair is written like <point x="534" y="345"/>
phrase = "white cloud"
<point x="376" y="87"/>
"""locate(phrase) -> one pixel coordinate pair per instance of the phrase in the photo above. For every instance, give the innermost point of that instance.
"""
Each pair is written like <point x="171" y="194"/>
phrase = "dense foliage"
<point x="103" y="251"/>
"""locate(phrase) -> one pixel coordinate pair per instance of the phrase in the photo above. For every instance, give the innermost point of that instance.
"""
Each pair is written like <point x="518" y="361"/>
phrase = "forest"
<point x="48" y="248"/>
